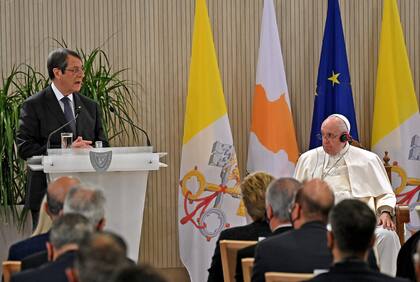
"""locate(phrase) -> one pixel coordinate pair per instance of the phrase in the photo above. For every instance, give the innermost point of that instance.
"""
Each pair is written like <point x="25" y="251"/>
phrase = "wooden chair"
<point x="10" y="267"/>
<point x="287" y="277"/>
<point x="247" y="265"/>
<point x="402" y="212"/>
<point x="228" y="251"/>
<point x="402" y="216"/>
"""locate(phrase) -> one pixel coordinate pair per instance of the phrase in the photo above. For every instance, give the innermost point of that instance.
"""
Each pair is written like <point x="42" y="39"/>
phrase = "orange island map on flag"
<point x="272" y="142"/>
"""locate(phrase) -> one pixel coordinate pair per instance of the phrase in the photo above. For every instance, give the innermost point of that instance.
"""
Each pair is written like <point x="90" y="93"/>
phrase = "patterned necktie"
<point x="68" y="113"/>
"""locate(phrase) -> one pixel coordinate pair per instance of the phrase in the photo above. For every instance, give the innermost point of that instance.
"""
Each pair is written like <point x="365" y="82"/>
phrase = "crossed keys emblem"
<point x="211" y="221"/>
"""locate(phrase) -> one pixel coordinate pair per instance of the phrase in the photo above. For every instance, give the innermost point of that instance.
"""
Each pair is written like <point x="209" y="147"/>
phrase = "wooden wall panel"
<point x="152" y="39"/>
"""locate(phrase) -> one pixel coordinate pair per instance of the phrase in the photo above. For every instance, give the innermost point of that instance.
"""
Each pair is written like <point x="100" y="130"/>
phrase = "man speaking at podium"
<point x="354" y="173"/>
<point x="58" y="105"/>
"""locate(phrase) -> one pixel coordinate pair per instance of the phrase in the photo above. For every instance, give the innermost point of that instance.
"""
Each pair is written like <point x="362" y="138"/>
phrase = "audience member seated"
<point x="82" y="200"/>
<point x="279" y="197"/>
<point x="303" y="249"/>
<point x="56" y="192"/>
<point x="66" y="234"/>
<point x="253" y="190"/>
<point x="99" y="258"/>
<point x="405" y="265"/>
<point x="138" y="274"/>
<point x="87" y="202"/>
<point x="351" y="237"/>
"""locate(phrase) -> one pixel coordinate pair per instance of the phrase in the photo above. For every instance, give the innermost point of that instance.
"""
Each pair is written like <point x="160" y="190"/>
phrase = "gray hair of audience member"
<point x="90" y="203"/>
<point x="100" y="256"/>
<point x="70" y="229"/>
<point x="138" y="273"/>
<point x="353" y="225"/>
<point x="280" y="196"/>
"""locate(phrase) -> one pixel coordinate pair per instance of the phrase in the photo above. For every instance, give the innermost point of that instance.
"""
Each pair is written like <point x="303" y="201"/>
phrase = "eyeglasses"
<point x="327" y="136"/>
<point x="76" y="70"/>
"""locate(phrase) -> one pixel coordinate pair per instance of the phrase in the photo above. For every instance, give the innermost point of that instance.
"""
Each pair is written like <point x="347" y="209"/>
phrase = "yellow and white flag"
<point x="272" y="144"/>
<point x="396" y="119"/>
<point x="209" y="194"/>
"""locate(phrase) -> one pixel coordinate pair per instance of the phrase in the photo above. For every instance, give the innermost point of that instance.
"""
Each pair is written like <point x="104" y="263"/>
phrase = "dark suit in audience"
<point x="66" y="234"/>
<point x="34" y="260"/>
<point x="351" y="237"/>
<point x="56" y="193"/>
<point x="304" y="248"/>
<point x="301" y="250"/>
<point x="249" y="232"/>
<point x="27" y="247"/>
<point x="405" y="266"/>
<point x="249" y="252"/>
<point x="354" y="270"/>
<point x="52" y="271"/>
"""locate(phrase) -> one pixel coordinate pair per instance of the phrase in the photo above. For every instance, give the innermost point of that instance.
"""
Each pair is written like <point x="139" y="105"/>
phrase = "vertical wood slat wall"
<point x="152" y="38"/>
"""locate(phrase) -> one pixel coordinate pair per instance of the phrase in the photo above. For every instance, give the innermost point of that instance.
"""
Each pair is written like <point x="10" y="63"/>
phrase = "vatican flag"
<point x="272" y="143"/>
<point x="209" y="194"/>
<point x="396" y="119"/>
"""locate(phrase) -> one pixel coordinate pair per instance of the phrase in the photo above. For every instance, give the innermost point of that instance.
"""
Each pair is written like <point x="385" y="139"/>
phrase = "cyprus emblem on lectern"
<point x="100" y="161"/>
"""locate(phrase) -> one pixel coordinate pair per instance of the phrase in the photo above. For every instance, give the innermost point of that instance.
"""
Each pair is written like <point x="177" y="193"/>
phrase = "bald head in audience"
<point x="313" y="203"/>
<point x="56" y="193"/>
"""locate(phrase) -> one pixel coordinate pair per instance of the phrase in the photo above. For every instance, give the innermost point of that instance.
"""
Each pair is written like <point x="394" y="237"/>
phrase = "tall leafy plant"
<point x="16" y="87"/>
<point x="113" y="94"/>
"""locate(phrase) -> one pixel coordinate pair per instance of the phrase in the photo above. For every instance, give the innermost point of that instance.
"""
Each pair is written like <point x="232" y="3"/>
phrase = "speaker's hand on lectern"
<point x="80" y="143"/>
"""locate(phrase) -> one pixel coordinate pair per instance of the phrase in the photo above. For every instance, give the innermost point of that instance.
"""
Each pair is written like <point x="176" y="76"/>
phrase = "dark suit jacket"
<point x="22" y="249"/>
<point x="247" y="232"/>
<point x="40" y="115"/>
<point x="34" y="260"/>
<point x="350" y="271"/>
<point x="405" y="266"/>
<point x="301" y="250"/>
<point x="249" y="252"/>
<point x="53" y="271"/>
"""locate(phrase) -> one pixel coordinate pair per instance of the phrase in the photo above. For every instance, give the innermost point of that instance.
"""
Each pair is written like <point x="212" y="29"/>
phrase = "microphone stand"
<point x="132" y="124"/>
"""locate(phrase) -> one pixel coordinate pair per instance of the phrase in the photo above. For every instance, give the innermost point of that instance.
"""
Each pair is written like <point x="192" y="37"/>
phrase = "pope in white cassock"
<point x="354" y="173"/>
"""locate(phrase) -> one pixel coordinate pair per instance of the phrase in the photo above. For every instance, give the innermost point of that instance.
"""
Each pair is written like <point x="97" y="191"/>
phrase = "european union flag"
<point x="333" y="93"/>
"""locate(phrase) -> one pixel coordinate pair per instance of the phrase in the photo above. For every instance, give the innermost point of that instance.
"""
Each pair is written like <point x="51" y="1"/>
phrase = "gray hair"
<point x="280" y="196"/>
<point x="87" y="202"/>
<point x="69" y="229"/>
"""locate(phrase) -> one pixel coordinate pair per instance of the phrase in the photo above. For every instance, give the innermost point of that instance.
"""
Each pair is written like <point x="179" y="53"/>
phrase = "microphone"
<point x="77" y="112"/>
<point x="111" y="108"/>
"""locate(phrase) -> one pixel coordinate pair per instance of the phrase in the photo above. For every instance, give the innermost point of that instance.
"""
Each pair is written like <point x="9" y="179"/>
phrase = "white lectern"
<point x="120" y="172"/>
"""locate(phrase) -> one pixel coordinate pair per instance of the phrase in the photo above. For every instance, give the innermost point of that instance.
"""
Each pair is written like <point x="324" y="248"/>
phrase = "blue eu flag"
<point x="333" y="93"/>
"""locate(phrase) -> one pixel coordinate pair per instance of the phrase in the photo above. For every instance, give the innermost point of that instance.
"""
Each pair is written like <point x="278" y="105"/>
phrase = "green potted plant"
<point x="16" y="87"/>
